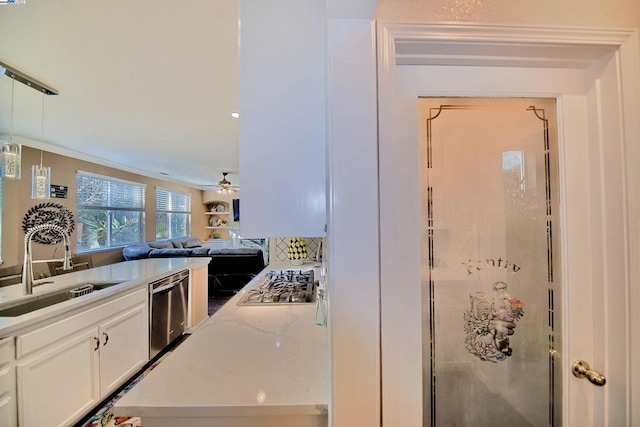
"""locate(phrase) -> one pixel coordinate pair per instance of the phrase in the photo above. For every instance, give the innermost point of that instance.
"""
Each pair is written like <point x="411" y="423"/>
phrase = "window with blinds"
<point x="173" y="214"/>
<point x="110" y="212"/>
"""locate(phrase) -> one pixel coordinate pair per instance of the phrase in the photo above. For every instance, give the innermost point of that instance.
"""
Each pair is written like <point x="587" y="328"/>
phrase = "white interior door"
<point x="591" y="310"/>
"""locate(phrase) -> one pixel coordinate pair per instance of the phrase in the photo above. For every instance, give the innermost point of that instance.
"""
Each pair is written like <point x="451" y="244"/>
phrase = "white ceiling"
<point x="145" y="84"/>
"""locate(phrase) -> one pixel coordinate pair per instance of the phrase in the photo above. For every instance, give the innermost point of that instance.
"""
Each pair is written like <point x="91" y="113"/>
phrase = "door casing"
<point x="609" y="61"/>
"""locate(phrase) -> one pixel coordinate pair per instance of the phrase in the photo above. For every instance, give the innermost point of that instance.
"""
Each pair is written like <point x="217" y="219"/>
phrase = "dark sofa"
<point x="229" y="270"/>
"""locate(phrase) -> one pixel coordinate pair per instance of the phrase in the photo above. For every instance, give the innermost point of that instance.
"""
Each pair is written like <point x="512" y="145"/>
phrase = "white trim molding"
<point x="611" y="58"/>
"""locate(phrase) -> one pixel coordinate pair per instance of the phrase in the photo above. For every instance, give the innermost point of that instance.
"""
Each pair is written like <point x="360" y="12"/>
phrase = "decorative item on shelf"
<point x="10" y="167"/>
<point x="220" y="208"/>
<point x="297" y="250"/>
<point x="216" y="221"/>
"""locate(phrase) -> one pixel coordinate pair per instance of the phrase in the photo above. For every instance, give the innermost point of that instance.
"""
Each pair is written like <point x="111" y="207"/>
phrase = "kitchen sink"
<point x="36" y="302"/>
<point x="33" y="303"/>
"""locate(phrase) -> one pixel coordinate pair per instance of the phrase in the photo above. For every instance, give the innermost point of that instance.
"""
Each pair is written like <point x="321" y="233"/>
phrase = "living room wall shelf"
<point x="218" y="217"/>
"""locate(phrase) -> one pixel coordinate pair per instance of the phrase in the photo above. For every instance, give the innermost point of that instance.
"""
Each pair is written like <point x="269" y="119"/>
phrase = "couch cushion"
<point x="166" y="253"/>
<point x="161" y="244"/>
<point x="140" y="251"/>
<point x="236" y="251"/>
<point x="186" y="242"/>
<point x="201" y="251"/>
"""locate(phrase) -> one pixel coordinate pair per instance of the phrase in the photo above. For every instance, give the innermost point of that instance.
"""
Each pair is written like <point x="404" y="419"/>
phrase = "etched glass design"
<point x="490" y="281"/>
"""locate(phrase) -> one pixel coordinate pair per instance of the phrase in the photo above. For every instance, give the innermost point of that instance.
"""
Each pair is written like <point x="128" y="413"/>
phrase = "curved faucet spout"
<point x="27" y="267"/>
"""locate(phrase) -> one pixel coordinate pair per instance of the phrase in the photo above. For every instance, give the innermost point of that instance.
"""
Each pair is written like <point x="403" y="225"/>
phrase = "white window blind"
<point x="172" y="201"/>
<point x="110" y="212"/>
<point x="173" y="214"/>
<point x="101" y="191"/>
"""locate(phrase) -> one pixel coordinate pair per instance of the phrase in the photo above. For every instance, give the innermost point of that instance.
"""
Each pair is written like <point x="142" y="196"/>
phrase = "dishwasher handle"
<point x="163" y="287"/>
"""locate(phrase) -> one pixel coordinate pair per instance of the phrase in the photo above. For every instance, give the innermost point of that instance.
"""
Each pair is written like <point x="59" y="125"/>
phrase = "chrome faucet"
<point x="27" y="267"/>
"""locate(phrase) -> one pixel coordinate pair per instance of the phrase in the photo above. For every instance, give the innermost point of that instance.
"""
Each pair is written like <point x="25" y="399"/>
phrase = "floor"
<point x="215" y="302"/>
<point x="103" y="415"/>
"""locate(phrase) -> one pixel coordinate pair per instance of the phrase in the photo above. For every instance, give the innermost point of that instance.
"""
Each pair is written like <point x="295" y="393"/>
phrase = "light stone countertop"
<point x="133" y="274"/>
<point x="243" y="361"/>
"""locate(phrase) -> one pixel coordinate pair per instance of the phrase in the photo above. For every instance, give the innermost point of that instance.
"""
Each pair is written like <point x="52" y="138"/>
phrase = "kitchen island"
<point x="248" y="365"/>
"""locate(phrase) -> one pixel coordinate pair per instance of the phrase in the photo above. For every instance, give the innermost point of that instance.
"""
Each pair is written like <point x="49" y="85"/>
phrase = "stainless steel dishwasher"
<point x="168" y="310"/>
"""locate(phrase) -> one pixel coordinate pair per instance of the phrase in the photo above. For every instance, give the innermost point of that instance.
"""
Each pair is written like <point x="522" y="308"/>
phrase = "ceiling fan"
<point x="225" y="186"/>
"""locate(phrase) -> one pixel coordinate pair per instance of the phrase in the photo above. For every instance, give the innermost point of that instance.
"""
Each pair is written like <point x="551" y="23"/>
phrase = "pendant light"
<point x="11" y="160"/>
<point x="41" y="175"/>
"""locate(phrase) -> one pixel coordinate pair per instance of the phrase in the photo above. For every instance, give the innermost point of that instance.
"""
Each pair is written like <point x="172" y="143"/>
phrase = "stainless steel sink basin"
<point x="36" y="302"/>
<point x="33" y="303"/>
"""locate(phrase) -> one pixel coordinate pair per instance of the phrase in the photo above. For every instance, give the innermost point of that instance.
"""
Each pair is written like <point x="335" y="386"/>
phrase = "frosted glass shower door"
<point x="490" y="258"/>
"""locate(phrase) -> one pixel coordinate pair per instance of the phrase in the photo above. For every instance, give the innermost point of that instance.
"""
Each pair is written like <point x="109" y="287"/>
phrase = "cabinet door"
<point x="282" y="148"/>
<point x="59" y="384"/>
<point x="7" y="383"/>
<point x="124" y="346"/>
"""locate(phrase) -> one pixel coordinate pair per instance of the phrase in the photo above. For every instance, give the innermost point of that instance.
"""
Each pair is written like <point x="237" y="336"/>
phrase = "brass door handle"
<point x="581" y="369"/>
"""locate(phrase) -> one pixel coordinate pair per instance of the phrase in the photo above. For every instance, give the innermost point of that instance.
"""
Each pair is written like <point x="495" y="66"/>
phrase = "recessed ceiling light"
<point x="235" y="115"/>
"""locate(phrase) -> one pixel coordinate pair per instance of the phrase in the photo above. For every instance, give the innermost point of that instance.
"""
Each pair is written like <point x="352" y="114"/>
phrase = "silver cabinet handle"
<point x="581" y="369"/>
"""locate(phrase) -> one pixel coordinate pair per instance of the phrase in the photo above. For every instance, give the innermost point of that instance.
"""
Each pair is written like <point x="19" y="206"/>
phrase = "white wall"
<point x="579" y="13"/>
<point x="353" y="209"/>
<point x="352" y="234"/>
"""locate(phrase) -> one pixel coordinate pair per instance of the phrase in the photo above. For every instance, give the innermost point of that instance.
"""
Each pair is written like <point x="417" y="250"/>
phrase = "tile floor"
<point x="103" y="415"/>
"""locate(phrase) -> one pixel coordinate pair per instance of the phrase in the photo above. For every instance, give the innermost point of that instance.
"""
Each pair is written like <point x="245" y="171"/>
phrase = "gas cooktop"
<point x="282" y="287"/>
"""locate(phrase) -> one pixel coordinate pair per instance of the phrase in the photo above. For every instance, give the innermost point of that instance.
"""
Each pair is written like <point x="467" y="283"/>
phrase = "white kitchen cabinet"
<point x="124" y="347"/>
<point x="60" y="383"/>
<point x="282" y="118"/>
<point x="67" y="367"/>
<point x="8" y="414"/>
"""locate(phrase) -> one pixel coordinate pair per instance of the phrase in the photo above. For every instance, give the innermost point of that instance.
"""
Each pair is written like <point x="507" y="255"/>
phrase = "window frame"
<point x="170" y="194"/>
<point x="111" y="210"/>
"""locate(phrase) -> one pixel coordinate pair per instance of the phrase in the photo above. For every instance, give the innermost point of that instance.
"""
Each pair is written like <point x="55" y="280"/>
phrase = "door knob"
<point x="581" y="369"/>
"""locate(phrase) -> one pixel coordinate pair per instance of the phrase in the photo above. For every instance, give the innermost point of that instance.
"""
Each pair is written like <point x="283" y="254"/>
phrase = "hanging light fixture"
<point x="225" y="186"/>
<point x="41" y="175"/>
<point x="11" y="161"/>
<point x="40" y="181"/>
